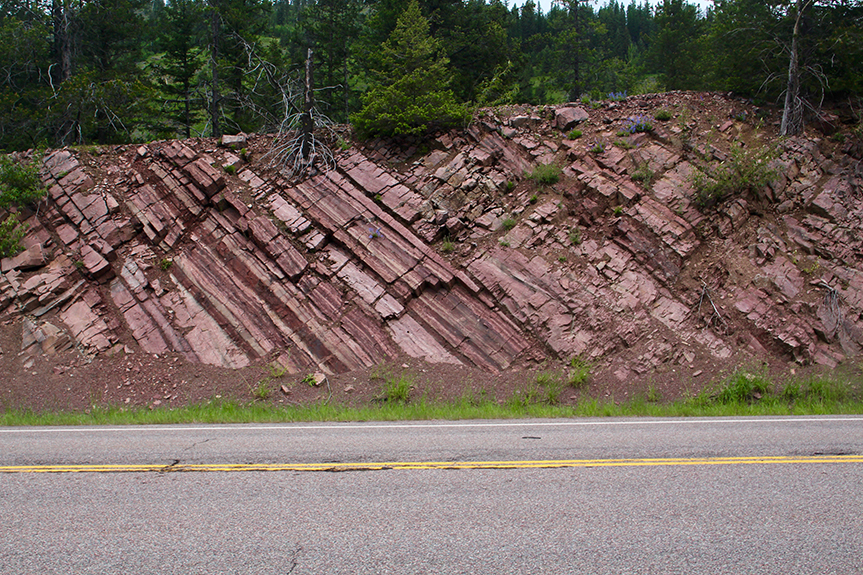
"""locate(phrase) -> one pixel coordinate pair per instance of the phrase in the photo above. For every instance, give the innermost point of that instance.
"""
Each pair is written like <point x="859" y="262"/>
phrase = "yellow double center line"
<point x="412" y="465"/>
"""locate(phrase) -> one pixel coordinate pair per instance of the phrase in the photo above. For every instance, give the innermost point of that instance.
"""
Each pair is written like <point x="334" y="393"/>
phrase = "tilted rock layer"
<point x="448" y="252"/>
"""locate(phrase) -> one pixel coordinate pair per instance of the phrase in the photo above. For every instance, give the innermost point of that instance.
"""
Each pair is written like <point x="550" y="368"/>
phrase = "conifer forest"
<point x="117" y="71"/>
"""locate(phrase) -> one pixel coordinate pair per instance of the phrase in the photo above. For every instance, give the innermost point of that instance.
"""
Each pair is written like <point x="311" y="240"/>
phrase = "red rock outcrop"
<point x="450" y="253"/>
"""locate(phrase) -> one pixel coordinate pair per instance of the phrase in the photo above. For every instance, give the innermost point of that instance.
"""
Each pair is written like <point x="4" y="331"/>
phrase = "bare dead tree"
<point x="715" y="320"/>
<point x="300" y="142"/>
<point x="792" y="114"/>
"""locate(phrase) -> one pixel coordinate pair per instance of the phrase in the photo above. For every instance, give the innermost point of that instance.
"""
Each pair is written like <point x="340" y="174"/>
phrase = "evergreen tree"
<point x="410" y="93"/>
<point x="676" y="49"/>
<point x="181" y="40"/>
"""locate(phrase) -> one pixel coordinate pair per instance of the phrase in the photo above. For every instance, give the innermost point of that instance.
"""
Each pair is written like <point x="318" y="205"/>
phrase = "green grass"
<point x="741" y="393"/>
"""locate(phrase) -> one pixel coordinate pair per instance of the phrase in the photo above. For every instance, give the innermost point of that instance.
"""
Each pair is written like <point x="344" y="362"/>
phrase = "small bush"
<point x="11" y="234"/>
<point x="574" y="134"/>
<point x="508" y="224"/>
<point x="662" y="115"/>
<point x="575" y="236"/>
<point x="746" y="170"/>
<point x="545" y="174"/>
<point x="533" y="199"/>
<point x="230" y="169"/>
<point x="510" y="186"/>
<point x="165" y="264"/>
<point x="643" y="174"/>
<point x="20" y="184"/>
<point x="624" y="144"/>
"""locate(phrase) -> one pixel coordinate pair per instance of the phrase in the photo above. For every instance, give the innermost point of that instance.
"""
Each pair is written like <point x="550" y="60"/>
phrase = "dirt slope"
<point x="175" y="271"/>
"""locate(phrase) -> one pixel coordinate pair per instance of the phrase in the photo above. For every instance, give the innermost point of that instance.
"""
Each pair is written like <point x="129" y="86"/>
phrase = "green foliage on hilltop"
<point x="410" y="95"/>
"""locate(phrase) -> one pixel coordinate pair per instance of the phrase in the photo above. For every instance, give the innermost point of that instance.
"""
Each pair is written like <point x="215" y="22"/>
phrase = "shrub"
<point x="575" y="236"/>
<point x="747" y="170"/>
<point x="230" y="169"/>
<point x="643" y="174"/>
<point x="11" y="233"/>
<point x="574" y="134"/>
<point x="624" y="144"/>
<point x="545" y="174"/>
<point x="508" y="224"/>
<point x="20" y="184"/>
<point x="662" y="115"/>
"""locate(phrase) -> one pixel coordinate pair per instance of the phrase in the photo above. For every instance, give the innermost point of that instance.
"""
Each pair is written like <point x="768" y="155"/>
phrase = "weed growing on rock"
<point x="533" y="199"/>
<point x="575" y="236"/>
<point x="662" y="115"/>
<point x="165" y="264"/>
<point x="309" y="380"/>
<point x="598" y="147"/>
<point x="624" y="144"/>
<point x="643" y="174"/>
<point x="508" y="224"/>
<point x="617" y="211"/>
<point x="230" y="169"/>
<point x="447" y="246"/>
<point x="545" y="174"/>
<point x="617" y="96"/>
<point x="637" y="124"/>
<point x="747" y="170"/>
<point x="510" y="186"/>
<point x="504" y="243"/>
<point x="574" y="134"/>
<point x="375" y="233"/>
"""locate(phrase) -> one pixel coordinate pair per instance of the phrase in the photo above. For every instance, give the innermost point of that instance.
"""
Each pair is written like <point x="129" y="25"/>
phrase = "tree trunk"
<point x="575" y="93"/>
<point x="62" y="38"/>
<point x="792" y="115"/>
<point x="308" y="123"/>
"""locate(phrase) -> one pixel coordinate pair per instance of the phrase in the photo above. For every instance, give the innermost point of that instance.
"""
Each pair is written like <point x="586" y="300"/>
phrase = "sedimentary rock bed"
<point x="447" y="251"/>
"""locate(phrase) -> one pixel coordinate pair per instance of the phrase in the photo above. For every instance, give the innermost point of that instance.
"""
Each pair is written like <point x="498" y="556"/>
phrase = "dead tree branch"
<point x="715" y="320"/>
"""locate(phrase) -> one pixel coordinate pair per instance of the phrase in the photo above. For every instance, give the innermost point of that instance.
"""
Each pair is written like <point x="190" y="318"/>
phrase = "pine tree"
<point x="410" y="95"/>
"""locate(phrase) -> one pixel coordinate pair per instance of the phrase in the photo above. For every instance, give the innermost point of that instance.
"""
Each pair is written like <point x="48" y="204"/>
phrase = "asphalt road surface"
<point x="748" y="495"/>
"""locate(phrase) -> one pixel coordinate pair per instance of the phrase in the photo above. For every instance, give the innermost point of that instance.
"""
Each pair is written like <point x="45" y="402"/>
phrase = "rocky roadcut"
<point x="153" y="275"/>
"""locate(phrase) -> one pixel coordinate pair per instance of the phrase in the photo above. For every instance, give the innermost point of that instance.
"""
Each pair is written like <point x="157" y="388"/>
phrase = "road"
<point x="748" y="495"/>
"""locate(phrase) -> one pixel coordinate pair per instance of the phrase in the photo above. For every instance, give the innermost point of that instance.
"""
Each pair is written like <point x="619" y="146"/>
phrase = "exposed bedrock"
<point x="447" y="251"/>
